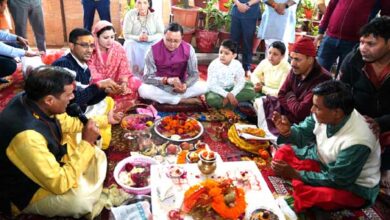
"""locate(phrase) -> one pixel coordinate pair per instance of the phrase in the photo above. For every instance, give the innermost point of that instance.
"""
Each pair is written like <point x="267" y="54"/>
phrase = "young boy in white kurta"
<point x="226" y="79"/>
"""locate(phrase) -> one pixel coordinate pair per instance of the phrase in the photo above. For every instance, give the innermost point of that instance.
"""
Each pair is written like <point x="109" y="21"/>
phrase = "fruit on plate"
<point x="192" y="157"/>
<point x="186" y="146"/>
<point x="207" y="155"/>
<point x="200" y="145"/>
<point x="136" y="122"/>
<point x="172" y="149"/>
<point x="178" y="125"/>
<point x="263" y="153"/>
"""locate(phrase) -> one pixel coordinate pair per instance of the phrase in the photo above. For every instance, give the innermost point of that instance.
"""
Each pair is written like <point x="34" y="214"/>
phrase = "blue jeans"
<point x="89" y="7"/>
<point x="244" y="29"/>
<point x="332" y="48"/>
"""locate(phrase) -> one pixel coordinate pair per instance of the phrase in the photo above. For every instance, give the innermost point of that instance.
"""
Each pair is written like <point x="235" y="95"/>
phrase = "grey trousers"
<point x="20" y="11"/>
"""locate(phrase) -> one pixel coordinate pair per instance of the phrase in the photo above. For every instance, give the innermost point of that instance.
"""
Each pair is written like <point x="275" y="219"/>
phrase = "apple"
<point x="185" y="146"/>
<point x="172" y="149"/>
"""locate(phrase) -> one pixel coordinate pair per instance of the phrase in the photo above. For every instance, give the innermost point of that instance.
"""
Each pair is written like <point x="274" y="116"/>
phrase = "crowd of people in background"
<point x="335" y="125"/>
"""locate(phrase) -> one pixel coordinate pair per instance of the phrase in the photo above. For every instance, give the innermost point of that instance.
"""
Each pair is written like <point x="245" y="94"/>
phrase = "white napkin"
<point x="136" y="211"/>
<point x="165" y="191"/>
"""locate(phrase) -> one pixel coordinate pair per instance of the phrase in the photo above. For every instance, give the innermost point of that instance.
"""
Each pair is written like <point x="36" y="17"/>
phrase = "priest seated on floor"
<point x="171" y="70"/>
<point x="41" y="172"/>
<point x="294" y="99"/>
<point x="333" y="156"/>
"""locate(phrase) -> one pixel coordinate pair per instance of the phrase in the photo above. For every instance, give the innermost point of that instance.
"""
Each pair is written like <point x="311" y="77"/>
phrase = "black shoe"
<point x="3" y="81"/>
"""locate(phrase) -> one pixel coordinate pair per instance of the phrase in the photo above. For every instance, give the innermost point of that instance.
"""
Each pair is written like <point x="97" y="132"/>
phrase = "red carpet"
<point x="217" y="142"/>
<point x="9" y="90"/>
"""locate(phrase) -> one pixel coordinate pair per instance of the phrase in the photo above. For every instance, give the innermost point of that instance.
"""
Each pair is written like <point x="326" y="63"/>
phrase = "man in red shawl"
<point x="295" y="97"/>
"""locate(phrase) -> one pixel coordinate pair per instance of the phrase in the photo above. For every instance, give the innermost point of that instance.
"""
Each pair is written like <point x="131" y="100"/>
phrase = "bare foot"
<point x="192" y="101"/>
<point x="385" y="181"/>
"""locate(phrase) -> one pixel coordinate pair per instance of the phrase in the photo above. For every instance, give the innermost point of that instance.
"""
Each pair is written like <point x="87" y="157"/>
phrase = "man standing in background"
<point x="89" y="7"/>
<point x="244" y="16"/>
<point x="31" y="9"/>
<point x="341" y="23"/>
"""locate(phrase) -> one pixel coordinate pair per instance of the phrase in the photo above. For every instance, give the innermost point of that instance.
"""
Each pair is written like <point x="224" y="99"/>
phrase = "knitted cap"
<point x="304" y="46"/>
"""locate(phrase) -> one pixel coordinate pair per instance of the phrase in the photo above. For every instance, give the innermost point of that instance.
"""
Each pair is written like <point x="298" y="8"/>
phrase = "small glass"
<point x="144" y="140"/>
<point x="131" y="141"/>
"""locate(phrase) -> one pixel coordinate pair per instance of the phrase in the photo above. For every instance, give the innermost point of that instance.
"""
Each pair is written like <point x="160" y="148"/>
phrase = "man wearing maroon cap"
<point x="295" y="97"/>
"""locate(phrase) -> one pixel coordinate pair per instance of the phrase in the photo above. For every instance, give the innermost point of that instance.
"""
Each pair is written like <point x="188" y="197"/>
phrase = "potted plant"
<point x="224" y="32"/>
<point x="207" y="37"/>
<point x="184" y="14"/>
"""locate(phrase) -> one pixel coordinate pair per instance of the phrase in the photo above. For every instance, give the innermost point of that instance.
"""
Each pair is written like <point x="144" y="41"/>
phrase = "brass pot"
<point x="206" y="167"/>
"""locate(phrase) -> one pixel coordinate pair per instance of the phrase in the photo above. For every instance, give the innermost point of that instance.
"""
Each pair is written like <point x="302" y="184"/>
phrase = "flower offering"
<point x="217" y="199"/>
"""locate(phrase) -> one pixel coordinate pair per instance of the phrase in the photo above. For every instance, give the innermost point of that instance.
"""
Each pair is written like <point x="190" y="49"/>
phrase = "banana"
<point x="161" y="148"/>
<point x="151" y="151"/>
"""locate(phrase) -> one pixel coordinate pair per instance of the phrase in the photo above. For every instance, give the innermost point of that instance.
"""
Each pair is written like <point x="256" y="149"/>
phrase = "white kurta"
<point x="221" y="77"/>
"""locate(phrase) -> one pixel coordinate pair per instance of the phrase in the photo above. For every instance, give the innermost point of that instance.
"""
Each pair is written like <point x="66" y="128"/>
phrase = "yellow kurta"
<point x="29" y="152"/>
<point x="271" y="76"/>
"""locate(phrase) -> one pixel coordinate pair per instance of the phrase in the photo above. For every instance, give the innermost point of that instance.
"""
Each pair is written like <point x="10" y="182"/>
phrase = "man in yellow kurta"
<point x="40" y="173"/>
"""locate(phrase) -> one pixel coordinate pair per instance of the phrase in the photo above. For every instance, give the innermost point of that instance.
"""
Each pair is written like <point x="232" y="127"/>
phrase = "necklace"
<point x="142" y="20"/>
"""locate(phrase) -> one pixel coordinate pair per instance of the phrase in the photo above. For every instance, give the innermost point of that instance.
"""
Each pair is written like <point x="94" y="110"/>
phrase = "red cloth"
<point x="384" y="139"/>
<point x="286" y="153"/>
<point x="304" y="46"/>
<point x="307" y="196"/>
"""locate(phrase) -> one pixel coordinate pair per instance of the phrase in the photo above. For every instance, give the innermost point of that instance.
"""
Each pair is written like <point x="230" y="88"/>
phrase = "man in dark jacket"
<point x="367" y="70"/>
<point x="81" y="44"/>
<point x="341" y="22"/>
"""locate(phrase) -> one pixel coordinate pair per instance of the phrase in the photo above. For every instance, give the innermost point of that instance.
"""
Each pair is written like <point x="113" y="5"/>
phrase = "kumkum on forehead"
<point x="86" y="39"/>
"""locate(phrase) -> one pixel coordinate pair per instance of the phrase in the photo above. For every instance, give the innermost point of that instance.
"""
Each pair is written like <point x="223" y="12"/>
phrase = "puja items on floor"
<point x="133" y="174"/>
<point x="262" y="160"/>
<point x="178" y="127"/>
<point x="216" y="199"/>
<point x="250" y="142"/>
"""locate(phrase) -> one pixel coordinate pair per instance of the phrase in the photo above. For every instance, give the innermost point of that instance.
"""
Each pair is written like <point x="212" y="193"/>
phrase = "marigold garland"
<point x="213" y="191"/>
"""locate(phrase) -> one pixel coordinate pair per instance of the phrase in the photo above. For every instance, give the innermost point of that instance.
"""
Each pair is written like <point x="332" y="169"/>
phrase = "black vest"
<point x="22" y="114"/>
